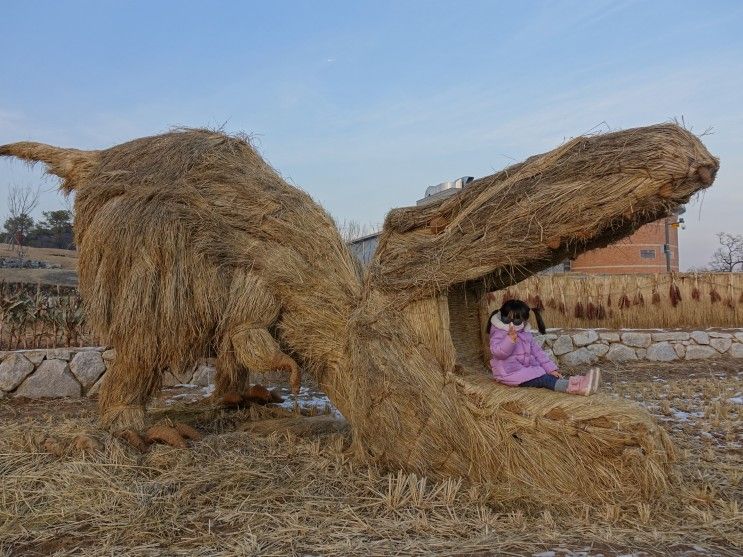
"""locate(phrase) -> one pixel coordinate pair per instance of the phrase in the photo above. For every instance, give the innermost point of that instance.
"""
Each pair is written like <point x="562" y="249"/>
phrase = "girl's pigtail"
<point x="540" y="321"/>
<point x="490" y="321"/>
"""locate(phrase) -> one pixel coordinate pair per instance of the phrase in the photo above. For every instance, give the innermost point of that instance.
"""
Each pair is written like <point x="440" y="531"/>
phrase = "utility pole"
<point x="667" y="245"/>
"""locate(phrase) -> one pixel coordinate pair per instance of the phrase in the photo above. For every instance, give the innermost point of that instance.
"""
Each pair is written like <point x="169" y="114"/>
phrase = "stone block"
<point x="14" y="369"/>
<point x="609" y="336"/>
<point x="700" y="337"/>
<point x="599" y="349"/>
<point x="670" y="335"/>
<point x="680" y="349"/>
<point x="35" y="356"/>
<point x="584" y="338"/>
<point x="739" y="336"/>
<point x="722" y="345"/>
<point x="87" y="367"/>
<point x="736" y="350"/>
<point x="633" y="338"/>
<point x="109" y="355"/>
<point x="549" y="338"/>
<point x="696" y="352"/>
<point x="620" y="353"/>
<point x="662" y="352"/>
<point x="562" y="345"/>
<point x="58" y="354"/>
<point x="52" y="379"/>
<point x="718" y="334"/>
<point x="578" y="357"/>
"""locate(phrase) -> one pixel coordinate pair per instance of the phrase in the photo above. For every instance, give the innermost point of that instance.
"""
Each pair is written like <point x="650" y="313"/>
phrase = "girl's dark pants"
<point x="545" y="381"/>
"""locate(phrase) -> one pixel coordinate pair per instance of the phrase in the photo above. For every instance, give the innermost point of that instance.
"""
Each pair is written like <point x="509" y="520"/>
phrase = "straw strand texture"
<point x="189" y="239"/>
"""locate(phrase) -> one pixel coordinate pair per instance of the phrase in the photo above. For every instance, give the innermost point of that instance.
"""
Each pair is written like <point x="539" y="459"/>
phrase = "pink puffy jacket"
<point x="515" y="362"/>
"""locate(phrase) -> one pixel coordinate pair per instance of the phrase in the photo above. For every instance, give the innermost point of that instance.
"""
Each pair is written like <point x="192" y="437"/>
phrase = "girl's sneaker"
<point x="585" y="384"/>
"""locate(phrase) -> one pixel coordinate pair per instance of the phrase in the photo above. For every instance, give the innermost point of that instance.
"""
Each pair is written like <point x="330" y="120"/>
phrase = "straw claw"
<point x="134" y="439"/>
<point x="257" y="394"/>
<point x="174" y="434"/>
<point x="87" y="444"/>
<point x="54" y="446"/>
<point x="188" y="432"/>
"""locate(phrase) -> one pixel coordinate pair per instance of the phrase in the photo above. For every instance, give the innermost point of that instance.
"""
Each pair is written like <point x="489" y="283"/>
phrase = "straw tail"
<point x="68" y="164"/>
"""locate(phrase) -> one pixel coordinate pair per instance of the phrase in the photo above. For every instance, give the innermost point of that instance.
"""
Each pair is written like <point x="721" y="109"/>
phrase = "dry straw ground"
<point x="241" y="492"/>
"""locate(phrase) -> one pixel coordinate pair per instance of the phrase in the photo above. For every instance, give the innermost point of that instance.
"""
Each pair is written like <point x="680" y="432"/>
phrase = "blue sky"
<point x="365" y="104"/>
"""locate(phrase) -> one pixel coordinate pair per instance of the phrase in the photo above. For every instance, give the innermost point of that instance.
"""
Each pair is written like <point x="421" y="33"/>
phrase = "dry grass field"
<point x="266" y="482"/>
<point x="66" y="275"/>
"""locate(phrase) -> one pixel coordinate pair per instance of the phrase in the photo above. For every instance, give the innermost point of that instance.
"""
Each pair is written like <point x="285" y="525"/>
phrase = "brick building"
<point x="643" y="252"/>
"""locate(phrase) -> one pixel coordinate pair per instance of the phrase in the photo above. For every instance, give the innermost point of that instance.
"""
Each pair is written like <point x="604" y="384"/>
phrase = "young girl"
<point x="516" y="358"/>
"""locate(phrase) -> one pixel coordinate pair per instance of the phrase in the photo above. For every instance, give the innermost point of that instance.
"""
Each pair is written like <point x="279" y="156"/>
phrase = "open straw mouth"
<point x="587" y="193"/>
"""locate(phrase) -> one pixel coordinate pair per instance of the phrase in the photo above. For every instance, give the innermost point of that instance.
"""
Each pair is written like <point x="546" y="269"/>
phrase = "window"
<point x="647" y="253"/>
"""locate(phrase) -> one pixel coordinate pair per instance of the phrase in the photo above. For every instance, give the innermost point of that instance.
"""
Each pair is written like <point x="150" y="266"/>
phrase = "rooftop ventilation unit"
<point x="444" y="189"/>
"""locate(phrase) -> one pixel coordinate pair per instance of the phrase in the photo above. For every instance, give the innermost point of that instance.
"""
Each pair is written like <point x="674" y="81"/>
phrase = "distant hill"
<point x="66" y="275"/>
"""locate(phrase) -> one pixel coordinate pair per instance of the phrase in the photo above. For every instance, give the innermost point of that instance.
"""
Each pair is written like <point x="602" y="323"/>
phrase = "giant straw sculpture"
<point x="190" y="243"/>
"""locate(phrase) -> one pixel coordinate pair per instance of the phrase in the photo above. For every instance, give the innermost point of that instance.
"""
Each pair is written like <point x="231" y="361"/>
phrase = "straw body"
<point x="191" y="244"/>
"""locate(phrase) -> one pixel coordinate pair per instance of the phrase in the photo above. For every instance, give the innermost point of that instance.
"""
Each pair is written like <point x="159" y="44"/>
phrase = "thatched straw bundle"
<point x="190" y="242"/>
<point x="678" y="300"/>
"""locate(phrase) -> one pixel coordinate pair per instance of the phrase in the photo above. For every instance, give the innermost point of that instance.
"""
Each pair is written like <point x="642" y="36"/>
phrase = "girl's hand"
<point x="512" y="333"/>
<point x="556" y="373"/>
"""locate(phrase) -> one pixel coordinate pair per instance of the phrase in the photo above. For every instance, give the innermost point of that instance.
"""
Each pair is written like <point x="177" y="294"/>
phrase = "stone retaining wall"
<point x="588" y="346"/>
<point x="75" y="372"/>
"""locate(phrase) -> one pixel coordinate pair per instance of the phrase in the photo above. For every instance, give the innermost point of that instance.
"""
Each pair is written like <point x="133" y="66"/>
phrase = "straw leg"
<point x="247" y="345"/>
<point x="256" y="350"/>
<point x="125" y="391"/>
<point x="232" y="378"/>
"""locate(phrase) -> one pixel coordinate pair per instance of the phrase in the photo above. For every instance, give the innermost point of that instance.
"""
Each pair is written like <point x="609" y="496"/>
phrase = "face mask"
<point x="508" y="320"/>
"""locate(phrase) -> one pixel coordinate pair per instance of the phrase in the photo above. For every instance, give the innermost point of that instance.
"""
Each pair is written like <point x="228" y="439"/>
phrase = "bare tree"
<point x="729" y="254"/>
<point x="353" y="230"/>
<point x="21" y="202"/>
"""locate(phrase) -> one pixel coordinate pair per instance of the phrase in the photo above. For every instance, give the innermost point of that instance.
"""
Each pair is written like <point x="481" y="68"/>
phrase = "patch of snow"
<point x="308" y="399"/>
<point x="682" y="416"/>
<point x="182" y="395"/>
